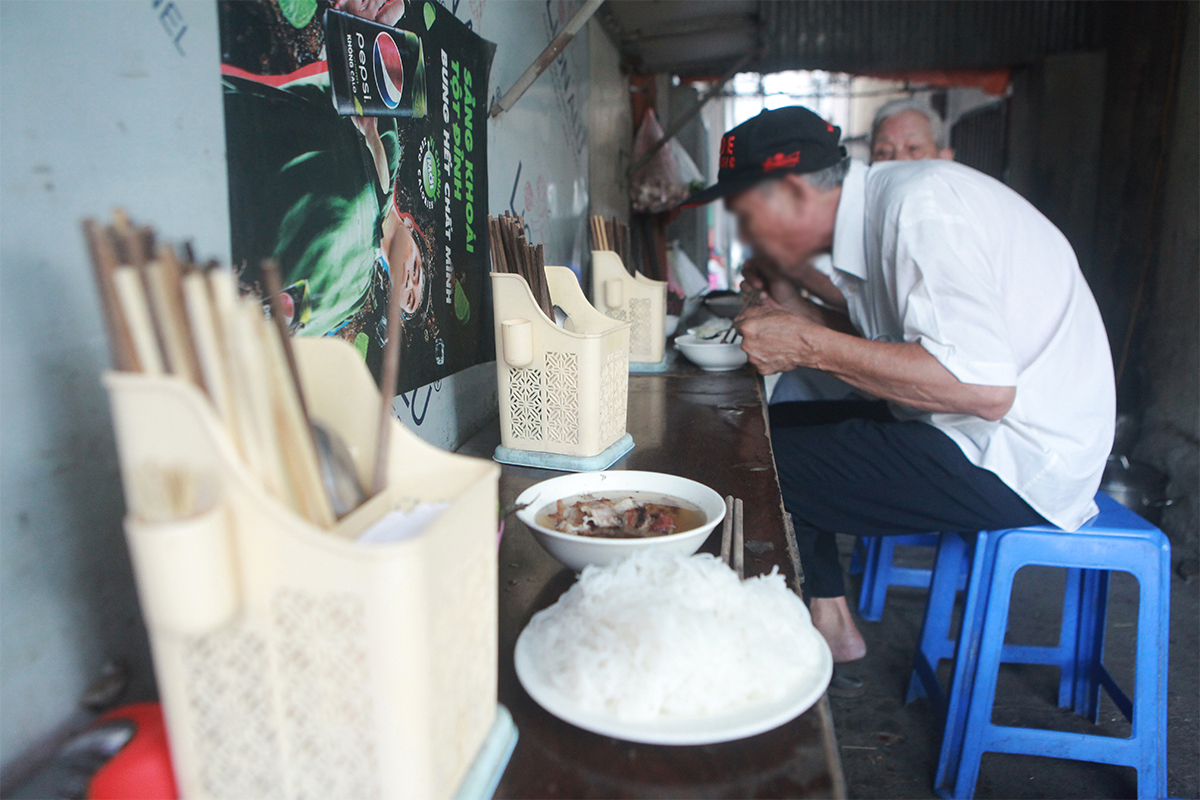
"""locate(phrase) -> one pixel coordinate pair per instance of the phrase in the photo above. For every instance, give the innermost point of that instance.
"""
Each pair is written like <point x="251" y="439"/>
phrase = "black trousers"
<point x="850" y="467"/>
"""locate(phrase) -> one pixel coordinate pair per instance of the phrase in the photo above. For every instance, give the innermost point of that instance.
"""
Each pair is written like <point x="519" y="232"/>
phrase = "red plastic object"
<point x="141" y="770"/>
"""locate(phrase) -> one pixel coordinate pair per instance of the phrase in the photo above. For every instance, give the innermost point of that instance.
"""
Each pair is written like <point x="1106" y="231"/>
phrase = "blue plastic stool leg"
<point x="1069" y="635"/>
<point x="1149" y="715"/>
<point x="858" y="558"/>
<point x="935" y="643"/>
<point x="990" y="625"/>
<point x="877" y="578"/>
<point x="966" y="655"/>
<point x="870" y="574"/>
<point x="1089" y="649"/>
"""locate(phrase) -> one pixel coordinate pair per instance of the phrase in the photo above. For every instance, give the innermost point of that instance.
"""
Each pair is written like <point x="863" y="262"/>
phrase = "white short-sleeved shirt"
<point x="937" y="253"/>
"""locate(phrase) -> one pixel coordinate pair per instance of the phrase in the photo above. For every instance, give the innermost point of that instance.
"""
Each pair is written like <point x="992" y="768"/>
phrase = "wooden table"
<point x="709" y="427"/>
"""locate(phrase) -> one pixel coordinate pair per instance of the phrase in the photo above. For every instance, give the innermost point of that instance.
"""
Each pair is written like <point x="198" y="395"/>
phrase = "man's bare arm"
<point x="904" y="373"/>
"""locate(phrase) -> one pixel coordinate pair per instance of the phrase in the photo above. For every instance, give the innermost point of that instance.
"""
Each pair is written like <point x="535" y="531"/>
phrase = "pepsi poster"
<point x="357" y="154"/>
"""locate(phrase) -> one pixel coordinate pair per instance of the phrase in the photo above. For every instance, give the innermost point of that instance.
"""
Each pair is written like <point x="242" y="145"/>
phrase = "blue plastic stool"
<point x="874" y="557"/>
<point x="1116" y="539"/>
<point x="954" y="555"/>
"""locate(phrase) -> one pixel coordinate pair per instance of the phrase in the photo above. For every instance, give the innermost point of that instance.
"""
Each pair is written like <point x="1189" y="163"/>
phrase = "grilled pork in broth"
<point x="634" y="516"/>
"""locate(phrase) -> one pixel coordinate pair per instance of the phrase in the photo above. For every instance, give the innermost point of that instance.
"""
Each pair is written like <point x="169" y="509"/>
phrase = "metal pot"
<point x="1139" y="487"/>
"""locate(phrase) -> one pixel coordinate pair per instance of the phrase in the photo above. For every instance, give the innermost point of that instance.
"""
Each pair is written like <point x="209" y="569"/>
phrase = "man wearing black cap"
<point x="961" y="306"/>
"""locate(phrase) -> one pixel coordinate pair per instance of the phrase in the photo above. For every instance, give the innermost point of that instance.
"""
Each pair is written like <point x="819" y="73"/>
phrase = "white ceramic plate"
<point x="725" y="728"/>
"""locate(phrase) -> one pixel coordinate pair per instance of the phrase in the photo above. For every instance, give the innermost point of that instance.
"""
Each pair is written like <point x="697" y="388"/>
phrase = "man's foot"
<point x="831" y="616"/>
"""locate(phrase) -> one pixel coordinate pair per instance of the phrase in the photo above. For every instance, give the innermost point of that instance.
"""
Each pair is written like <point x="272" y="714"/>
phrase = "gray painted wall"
<point x="610" y="128"/>
<point x="99" y="108"/>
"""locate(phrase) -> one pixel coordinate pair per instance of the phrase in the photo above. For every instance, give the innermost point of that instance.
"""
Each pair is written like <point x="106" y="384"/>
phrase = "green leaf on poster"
<point x="462" y="306"/>
<point x="298" y="12"/>
<point x="361" y="343"/>
<point x="430" y="15"/>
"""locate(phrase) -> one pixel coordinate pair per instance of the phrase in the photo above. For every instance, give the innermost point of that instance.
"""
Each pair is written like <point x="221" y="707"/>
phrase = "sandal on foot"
<point x="846" y="686"/>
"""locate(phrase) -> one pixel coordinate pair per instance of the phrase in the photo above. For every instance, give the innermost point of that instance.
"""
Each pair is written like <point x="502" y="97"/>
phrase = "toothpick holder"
<point x="303" y="663"/>
<point x="635" y="299"/>
<point x="563" y="392"/>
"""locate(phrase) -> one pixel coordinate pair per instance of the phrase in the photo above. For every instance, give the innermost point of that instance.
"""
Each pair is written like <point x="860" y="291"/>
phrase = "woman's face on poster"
<point x="404" y="261"/>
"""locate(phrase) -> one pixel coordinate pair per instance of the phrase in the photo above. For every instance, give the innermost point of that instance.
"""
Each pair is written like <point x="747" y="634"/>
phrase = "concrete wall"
<point x="1054" y="143"/>
<point x="107" y="104"/>
<point x="1170" y="352"/>
<point x="1105" y="144"/>
<point x="1141" y="72"/>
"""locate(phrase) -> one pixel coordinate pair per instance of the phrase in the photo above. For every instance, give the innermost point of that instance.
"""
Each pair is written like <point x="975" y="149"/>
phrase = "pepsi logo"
<point x="389" y="70"/>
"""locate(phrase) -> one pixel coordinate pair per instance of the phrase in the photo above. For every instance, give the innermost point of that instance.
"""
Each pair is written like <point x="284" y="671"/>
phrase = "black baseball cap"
<point x="776" y="142"/>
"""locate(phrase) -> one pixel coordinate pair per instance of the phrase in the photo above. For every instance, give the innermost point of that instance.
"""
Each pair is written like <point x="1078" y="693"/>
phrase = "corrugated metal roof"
<point x="926" y="34"/>
<point x="706" y="37"/>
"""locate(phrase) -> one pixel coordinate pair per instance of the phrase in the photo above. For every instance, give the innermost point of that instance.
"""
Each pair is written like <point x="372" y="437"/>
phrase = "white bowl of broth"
<point x="587" y="538"/>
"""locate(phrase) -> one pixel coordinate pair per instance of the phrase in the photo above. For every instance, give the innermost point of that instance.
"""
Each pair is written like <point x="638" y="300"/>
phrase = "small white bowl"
<point x="712" y="355"/>
<point x="579" y="551"/>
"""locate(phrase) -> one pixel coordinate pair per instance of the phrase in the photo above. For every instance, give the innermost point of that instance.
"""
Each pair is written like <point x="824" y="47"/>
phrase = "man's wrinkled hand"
<point x="765" y="275"/>
<point x="775" y="339"/>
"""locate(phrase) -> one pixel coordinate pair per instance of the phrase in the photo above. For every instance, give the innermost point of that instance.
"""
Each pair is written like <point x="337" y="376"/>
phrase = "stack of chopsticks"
<point x="167" y="316"/>
<point x="512" y="253"/>
<point x="733" y="540"/>
<point x="611" y="234"/>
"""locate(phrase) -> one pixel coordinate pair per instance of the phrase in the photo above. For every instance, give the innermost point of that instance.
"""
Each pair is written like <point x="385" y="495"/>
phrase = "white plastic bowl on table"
<point x="710" y="354"/>
<point x="578" y="551"/>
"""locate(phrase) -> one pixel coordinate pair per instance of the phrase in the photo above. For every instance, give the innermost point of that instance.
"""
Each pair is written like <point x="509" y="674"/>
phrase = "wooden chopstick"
<point x="297" y="442"/>
<point x="213" y="364"/>
<point x="739" y="541"/>
<point x="273" y="287"/>
<point x="224" y="293"/>
<point x="104" y="262"/>
<point x="173" y="272"/>
<point x="298" y="450"/>
<point x="538" y="262"/>
<point x="128" y="285"/>
<point x="387" y="389"/>
<point x="497" y="248"/>
<point x="166" y="304"/>
<point x="249" y="345"/>
<point x="727" y="530"/>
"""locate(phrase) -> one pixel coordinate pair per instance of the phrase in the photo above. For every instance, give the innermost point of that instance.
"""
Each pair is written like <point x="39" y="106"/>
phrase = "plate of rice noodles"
<point x="674" y="650"/>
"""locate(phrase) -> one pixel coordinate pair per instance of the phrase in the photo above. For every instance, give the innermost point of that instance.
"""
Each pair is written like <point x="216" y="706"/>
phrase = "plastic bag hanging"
<point x="668" y="178"/>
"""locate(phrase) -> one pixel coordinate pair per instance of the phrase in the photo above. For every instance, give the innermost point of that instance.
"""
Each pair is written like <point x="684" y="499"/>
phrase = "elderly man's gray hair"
<point x="941" y="136"/>
<point x="829" y="178"/>
<point x="822" y="180"/>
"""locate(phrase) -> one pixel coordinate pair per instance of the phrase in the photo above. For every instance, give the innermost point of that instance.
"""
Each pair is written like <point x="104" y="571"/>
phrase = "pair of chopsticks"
<point x="730" y="335"/>
<point x="733" y="541"/>
<point x="512" y="253"/>
<point x="169" y="316"/>
<point x="611" y="234"/>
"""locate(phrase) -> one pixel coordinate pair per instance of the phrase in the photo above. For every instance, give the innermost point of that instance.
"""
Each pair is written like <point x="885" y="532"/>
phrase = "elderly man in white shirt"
<point x="963" y="307"/>
<point x="907" y="129"/>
